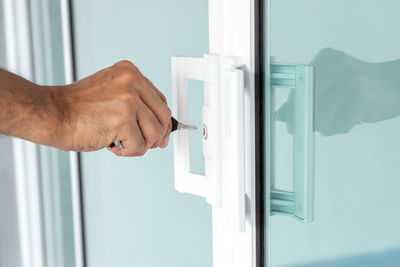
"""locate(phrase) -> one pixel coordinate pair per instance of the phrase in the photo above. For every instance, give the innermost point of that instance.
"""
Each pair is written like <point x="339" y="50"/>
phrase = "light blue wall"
<point x="357" y="171"/>
<point x="133" y="215"/>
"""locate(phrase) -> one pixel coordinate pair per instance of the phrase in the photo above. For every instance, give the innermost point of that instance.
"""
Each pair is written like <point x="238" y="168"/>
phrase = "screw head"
<point x="204" y="132"/>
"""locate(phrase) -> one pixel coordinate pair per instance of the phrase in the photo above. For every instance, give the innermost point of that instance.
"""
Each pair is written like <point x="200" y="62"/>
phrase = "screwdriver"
<point x="176" y="125"/>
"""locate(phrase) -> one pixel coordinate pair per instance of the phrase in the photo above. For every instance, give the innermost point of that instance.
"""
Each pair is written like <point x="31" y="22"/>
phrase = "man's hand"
<point x="114" y="104"/>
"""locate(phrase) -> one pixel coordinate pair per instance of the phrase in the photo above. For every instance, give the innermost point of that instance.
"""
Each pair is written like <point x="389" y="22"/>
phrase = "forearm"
<point x="29" y="111"/>
<point x="117" y="103"/>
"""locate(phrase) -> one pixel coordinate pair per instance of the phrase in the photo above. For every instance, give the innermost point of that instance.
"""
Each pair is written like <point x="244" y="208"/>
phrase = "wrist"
<point x="57" y="114"/>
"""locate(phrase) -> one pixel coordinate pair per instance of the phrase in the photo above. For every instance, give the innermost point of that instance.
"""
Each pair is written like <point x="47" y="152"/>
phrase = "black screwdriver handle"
<point x="174" y="124"/>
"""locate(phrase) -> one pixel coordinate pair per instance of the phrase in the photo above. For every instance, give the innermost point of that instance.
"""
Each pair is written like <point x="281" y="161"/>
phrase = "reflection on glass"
<point x="349" y="91"/>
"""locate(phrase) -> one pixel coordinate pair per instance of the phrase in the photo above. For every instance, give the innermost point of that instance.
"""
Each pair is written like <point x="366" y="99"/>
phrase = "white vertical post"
<point x="26" y="160"/>
<point x="230" y="31"/>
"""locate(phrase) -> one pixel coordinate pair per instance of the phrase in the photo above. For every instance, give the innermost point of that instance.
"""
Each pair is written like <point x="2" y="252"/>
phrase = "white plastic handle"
<point x="224" y="143"/>
<point x="235" y="147"/>
<point x="203" y="69"/>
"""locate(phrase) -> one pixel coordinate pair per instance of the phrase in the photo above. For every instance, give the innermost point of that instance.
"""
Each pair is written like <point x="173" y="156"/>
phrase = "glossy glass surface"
<point x="354" y="48"/>
<point x="133" y="215"/>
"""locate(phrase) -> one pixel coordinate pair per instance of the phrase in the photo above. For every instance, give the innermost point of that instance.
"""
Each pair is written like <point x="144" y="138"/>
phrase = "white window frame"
<point x="231" y="28"/>
<point x="26" y="158"/>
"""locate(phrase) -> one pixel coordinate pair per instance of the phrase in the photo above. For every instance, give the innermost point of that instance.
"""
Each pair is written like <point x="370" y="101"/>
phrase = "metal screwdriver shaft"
<point x="176" y="125"/>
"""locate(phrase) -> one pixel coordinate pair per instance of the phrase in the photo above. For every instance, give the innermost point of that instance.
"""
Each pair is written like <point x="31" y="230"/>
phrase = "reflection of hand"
<point x="349" y="91"/>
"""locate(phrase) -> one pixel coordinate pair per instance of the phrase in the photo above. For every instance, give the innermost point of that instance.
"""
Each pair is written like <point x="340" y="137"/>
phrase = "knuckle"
<point x="125" y="63"/>
<point x="115" y="120"/>
<point x="129" y="96"/>
<point x="128" y="73"/>
<point x="127" y="115"/>
<point x="129" y="77"/>
<point x="124" y="116"/>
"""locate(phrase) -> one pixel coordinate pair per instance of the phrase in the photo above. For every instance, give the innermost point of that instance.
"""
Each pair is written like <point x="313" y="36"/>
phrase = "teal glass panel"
<point x="354" y="49"/>
<point x="133" y="215"/>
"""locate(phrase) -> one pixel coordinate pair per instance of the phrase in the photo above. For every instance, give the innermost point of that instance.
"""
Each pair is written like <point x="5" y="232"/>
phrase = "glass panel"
<point x="354" y="49"/>
<point x="133" y="215"/>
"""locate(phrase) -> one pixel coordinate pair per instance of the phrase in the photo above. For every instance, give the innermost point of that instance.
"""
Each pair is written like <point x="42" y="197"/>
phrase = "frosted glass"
<point x="133" y="215"/>
<point x="354" y="47"/>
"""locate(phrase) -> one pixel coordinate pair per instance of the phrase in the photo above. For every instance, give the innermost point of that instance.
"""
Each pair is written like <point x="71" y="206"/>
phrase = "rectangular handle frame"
<point x="223" y="133"/>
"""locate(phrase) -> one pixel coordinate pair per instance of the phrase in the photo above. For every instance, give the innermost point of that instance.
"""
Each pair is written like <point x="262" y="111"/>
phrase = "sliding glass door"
<point x="302" y="167"/>
<point x="332" y="108"/>
<point x="192" y="204"/>
<point x="133" y="216"/>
